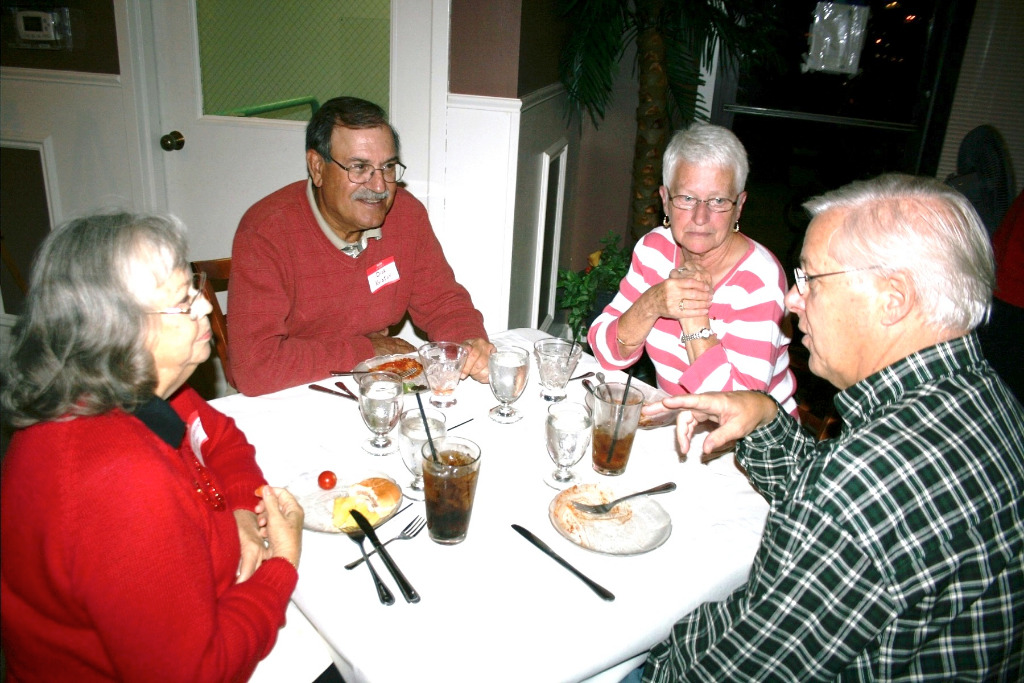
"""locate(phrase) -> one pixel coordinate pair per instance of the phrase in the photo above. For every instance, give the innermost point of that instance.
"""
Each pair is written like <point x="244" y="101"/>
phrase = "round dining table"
<point x="494" y="607"/>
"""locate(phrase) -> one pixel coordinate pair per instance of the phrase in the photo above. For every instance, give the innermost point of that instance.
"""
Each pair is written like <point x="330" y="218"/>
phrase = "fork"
<point x="607" y="507"/>
<point x="410" y="531"/>
<point x="404" y="374"/>
<point x="383" y="592"/>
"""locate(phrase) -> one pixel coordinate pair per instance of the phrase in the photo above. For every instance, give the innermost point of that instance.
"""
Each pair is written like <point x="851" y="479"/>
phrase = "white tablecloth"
<point x="495" y="608"/>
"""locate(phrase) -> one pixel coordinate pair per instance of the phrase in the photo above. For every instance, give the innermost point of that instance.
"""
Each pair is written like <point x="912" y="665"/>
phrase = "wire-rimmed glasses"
<point x="801" y="278"/>
<point x="361" y="174"/>
<point x="685" y="202"/>
<point x="195" y="289"/>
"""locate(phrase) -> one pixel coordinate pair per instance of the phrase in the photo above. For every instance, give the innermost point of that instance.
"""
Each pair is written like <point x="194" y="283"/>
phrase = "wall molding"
<point x="539" y="97"/>
<point x="16" y="73"/>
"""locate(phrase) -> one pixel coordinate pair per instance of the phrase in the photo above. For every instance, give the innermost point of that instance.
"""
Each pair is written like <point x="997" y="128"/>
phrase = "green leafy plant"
<point x="580" y="288"/>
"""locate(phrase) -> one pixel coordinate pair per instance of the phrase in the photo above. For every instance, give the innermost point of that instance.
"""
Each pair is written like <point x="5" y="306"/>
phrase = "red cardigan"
<point x="115" y="569"/>
<point x="299" y="308"/>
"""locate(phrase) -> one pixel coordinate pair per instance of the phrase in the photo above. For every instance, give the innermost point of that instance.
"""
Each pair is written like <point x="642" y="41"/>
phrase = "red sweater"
<point x="115" y="569"/>
<point x="299" y="308"/>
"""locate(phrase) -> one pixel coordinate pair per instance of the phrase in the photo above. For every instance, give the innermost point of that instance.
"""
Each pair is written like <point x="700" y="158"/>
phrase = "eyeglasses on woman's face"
<point x="685" y="202"/>
<point x="195" y="289"/>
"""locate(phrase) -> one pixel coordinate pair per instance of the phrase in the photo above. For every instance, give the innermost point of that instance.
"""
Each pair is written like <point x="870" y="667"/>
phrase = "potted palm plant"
<point x="674" y="39"/>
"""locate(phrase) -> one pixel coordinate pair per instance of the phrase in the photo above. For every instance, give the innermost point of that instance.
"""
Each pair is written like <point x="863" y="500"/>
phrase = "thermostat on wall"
<point x="43" y="29"/>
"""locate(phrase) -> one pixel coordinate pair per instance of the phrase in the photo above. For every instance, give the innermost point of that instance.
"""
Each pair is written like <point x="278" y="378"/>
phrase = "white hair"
<point x="922" y="228"/>
<point x="703" y="144"/>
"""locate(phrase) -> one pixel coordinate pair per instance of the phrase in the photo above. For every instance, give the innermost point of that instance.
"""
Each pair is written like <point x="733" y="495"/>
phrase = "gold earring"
<point x="666" y="222"/>
<point x="736" y="228"/>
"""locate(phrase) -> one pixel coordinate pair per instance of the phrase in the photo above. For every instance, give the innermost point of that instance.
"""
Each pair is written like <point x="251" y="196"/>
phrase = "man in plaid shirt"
<point x="894" y="552"/>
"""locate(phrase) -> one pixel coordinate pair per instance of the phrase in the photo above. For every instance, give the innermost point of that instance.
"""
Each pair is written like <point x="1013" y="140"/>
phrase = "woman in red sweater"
<point x="135" y="546"/>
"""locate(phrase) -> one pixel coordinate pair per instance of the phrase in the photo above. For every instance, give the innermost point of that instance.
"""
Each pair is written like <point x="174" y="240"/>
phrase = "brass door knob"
<point x="172" y="141"/>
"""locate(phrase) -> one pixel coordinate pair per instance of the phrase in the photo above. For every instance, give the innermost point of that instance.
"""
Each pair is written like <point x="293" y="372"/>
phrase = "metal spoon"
<point x="589" y="385"/>
<point x="600" y="378"/>
<point x="583" y="376"/>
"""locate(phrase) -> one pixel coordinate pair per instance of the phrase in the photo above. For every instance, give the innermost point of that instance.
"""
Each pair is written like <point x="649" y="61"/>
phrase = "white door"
<point x="227" y="163"/>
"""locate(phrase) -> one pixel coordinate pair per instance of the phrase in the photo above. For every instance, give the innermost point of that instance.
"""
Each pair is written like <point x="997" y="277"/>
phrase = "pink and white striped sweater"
<point x="746" y="314"/>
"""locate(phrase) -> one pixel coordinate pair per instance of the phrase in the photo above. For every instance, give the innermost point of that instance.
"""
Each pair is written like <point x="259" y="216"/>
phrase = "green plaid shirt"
<point x="894" y="552"/>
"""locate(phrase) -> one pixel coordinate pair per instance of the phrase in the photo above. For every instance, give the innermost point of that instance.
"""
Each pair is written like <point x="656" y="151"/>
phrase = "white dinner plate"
<point x="318" y="503"/>
<point x="635" y="526"/>
<point x="411" y="385"/>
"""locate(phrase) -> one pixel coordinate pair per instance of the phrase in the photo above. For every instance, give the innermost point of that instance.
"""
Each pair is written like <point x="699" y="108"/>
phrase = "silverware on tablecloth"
<point x="585" y="375"/>
<point x="383" y="592"/>
<point x="459" y="425"/>
<point x="607" y="507"/>
<point x="346" y="390"/>
<point x="410" y="531"/>
<point x="603" y="592"/>
<point x="589" y="385"/>
<point x="317" y="387"/>
<point x="404" y="374"/>
<point x="408" y="592"/>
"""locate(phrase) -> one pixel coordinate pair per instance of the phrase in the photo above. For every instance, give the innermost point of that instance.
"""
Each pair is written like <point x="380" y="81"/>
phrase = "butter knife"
<point x="408" y="592"/>
<point x="603" y="592"/>
<point x="317" y="387"/>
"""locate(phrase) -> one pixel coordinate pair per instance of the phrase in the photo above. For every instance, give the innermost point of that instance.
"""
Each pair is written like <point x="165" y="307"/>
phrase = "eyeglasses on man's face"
<point x="195" y="289"/>
<point x="802" y="279"/>
<point x="685" y="202"/>
<point x="362" y="173"/>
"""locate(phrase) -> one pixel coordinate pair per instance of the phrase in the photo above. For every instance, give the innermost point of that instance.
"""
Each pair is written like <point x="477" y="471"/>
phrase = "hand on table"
<point x="284" y="517"/>
<point x="386" y="345"/>
<point x="476" y="364"/>
<point x="737" y="413"/>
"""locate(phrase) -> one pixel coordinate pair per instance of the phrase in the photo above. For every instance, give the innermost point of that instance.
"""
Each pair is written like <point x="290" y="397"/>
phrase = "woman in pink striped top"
<point x="703" y="299"/>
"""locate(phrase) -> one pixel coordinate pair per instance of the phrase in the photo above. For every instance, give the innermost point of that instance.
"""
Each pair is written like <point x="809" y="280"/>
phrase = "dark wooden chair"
<point x="217" y="273"/>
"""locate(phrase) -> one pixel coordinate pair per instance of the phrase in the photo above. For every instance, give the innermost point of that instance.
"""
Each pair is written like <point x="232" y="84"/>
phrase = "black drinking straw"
<point x="618" y="418"/>
<point x="426" y="427"/>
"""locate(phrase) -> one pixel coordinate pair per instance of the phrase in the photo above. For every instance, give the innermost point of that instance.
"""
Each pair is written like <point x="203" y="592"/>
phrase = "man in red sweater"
<point x="322" y="268"/>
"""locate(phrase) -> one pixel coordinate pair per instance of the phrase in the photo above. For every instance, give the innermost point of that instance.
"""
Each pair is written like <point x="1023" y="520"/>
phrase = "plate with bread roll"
<point x="632" y="527"/>
<point x="328" y="499"/>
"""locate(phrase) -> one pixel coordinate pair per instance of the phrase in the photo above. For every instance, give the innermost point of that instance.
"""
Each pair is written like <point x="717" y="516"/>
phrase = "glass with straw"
<point x="616" y="416"/>
<point x="450" y="468"/>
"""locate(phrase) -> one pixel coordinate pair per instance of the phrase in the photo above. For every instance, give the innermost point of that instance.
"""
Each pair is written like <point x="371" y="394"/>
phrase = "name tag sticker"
<point x="382" y="274"/>
<point x="197" y="436"/>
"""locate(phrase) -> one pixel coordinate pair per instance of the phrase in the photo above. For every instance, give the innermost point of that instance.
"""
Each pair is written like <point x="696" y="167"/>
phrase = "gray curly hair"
<point x="80" y="346"/>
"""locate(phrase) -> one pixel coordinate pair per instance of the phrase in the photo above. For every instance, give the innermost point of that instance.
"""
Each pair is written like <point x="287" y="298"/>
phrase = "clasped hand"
<point x="273" y="530"/>
<point x="686" y="293"/>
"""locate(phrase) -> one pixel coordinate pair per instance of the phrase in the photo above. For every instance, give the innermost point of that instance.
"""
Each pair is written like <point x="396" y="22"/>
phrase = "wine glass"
<point x="380" y="404"/>
<point x="509" y="368"/>
<point x="568" y="436"/>
<point x="411" y="439"/>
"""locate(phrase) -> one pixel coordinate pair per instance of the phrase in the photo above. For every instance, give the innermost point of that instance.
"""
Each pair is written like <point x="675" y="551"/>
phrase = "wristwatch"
<point x="702" y="333"/>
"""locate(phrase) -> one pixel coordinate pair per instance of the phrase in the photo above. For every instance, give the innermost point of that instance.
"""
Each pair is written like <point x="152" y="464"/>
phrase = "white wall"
<point x="480" y="188"/>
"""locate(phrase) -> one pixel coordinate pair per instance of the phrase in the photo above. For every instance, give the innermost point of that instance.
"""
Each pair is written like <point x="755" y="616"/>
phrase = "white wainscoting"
<point x="480" y="200"/>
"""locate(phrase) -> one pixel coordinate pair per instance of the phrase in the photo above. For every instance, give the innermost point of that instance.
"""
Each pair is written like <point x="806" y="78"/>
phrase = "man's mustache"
<point x="368" y="194"/>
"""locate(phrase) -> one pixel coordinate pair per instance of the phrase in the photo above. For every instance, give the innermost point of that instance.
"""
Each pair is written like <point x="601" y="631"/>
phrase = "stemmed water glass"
<point x="568" y="436"/>
<point x="380" y="404"/>
<point x="509" y="368"/>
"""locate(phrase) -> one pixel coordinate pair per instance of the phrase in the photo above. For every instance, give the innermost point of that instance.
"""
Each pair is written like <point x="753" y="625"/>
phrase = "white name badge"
<point x="382" y="274"/>
<point x="197" y="436"/>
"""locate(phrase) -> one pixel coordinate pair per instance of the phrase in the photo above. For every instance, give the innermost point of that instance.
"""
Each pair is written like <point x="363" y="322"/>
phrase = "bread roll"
<point x="375" y="498"/>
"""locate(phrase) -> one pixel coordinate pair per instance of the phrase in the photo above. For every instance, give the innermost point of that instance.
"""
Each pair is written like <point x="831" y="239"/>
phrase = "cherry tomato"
<point x="327" y="480"/>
